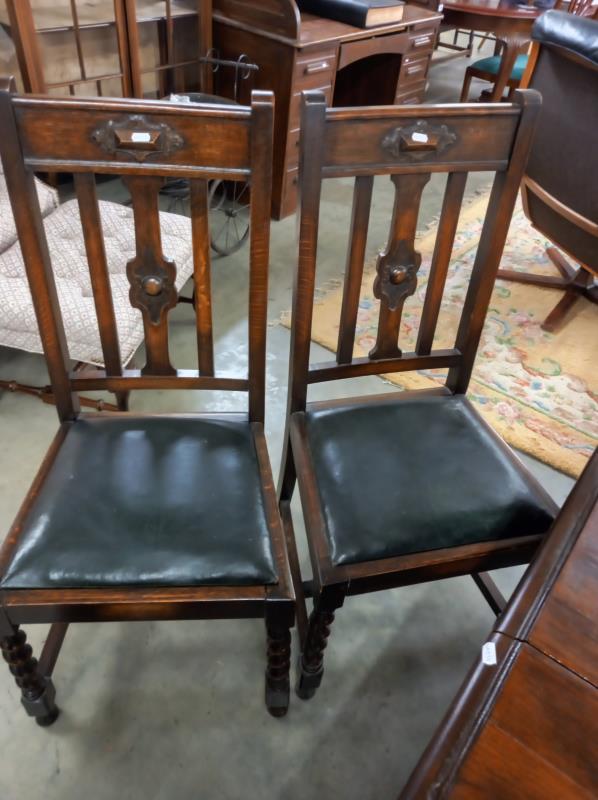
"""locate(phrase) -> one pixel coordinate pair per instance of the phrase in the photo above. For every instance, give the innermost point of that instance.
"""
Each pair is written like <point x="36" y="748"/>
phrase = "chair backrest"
<point x="71" y="47"/>
<point x="581" y="8"/>
<point x="145" y="143"/>
<point x="407" y="144"/>
<point x="168" y="44"/>
<point x="560" y="190"/>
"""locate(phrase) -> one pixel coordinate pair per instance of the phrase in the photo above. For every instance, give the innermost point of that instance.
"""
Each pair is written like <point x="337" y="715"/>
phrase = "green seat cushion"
<point x="408" y="476"/>
<point x="147" y="501"/>
<point x="492" y="65"/>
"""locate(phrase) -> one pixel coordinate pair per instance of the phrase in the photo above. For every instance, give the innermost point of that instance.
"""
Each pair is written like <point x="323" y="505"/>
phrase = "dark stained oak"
<point x="528" y="726"/>
<point x="120" y="472"/>
<point x="363" y="473"/>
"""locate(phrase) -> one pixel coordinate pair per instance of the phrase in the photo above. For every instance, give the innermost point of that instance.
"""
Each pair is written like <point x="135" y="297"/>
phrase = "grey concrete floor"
<point x="175" y="710"/>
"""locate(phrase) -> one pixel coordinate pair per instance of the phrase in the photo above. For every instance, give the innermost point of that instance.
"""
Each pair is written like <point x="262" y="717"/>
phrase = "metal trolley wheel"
<point x="229" y="216"/>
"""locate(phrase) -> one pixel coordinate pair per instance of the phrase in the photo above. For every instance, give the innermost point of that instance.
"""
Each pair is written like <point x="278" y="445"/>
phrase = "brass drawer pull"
<point x="422" y="41"/>
<point x="320" y="66"/>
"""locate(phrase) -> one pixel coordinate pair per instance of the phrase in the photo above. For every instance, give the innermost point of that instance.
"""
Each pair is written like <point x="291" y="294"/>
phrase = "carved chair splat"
<point x="169" y="516"/>
<point x="404" y="487"/>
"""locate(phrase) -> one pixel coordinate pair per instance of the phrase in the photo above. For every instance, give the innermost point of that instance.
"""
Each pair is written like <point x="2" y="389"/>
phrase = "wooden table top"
<point x="509" y="9"/>
<point x="525" y="722"/>
<point x="318" y="30"/>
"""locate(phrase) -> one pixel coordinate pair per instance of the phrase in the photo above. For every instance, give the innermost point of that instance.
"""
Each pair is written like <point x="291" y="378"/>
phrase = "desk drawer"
<point x="319" y="63"/>
<point x="421" y="41"/>
<point x="290" y="192"/>
<point x="414" y="68"/>
<point x="410" y="95"/>
<point x="295" y="109"/>
<point x="292" y="151"/>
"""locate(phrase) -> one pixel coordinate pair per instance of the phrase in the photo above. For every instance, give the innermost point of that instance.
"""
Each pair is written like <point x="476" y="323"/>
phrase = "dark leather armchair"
<point x="560" y="190"/>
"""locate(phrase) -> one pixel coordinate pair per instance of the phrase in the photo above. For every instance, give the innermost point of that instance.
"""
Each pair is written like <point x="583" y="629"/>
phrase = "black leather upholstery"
<point x="148" y="502"/>
<point x="577" y="34"/>
<point x="408" y="476"/>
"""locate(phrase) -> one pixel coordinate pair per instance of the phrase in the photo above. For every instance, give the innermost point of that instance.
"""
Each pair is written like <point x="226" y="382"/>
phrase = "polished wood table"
<point x="509" y="21"/>
<point x="526" y="726"/>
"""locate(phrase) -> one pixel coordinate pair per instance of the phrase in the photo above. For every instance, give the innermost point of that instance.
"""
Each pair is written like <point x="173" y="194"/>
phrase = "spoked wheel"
<point x="229" y="216"/>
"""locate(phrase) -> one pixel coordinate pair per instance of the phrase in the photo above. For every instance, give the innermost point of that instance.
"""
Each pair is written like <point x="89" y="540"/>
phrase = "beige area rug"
<point x="538" y="390"/>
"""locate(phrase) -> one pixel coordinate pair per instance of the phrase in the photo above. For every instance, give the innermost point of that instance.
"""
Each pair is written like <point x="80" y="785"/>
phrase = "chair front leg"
<point x="311" y="664"/>
<point x="37" y="691"/>
<point x="278" y="667"/>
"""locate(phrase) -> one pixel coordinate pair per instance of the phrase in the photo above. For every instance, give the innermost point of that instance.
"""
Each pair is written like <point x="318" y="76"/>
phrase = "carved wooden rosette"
<point x="397" y="266"/>
<point x="151" y="275"/>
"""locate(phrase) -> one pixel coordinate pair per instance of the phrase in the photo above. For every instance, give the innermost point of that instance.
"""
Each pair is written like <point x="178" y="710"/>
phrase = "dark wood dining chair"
<point x="405" y="487"/>
<point x="559" y="189"/>
<point x="487" y="69"/>
<point x="144" y="516"/>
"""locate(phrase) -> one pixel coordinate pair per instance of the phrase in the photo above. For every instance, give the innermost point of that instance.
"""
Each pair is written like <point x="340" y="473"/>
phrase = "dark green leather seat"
<point x="416" y="475"/>
<point x="147" y="502"/>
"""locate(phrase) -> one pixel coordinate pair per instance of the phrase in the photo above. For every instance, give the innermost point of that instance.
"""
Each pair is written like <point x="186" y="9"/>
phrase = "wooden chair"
<point x="136" y="516"/>
<point x="405" y="487"/>
<point x="487" y="69"/>
<point x="559" y="190"/>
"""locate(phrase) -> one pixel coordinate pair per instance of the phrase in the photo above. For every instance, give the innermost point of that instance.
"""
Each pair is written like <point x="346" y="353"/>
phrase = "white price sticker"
<point x="489" y="654"/>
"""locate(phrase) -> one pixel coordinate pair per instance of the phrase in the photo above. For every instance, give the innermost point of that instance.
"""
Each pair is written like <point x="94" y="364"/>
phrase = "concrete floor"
<point x="175" y="710"/>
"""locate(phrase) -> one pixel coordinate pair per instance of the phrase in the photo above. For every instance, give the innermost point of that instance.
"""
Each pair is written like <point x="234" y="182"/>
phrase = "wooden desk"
<point x="352" y="66"/>
<point x="528" y="726"/>
<point x="511" y="22"/>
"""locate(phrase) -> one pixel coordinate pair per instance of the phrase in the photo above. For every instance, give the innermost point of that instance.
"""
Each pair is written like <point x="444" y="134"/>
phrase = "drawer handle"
<point x="313" y="69"/>
<point x="422" y="41"/>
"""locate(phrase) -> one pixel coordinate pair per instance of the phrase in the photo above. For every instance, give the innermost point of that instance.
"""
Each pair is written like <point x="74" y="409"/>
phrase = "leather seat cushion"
<point x="492" y="64"/>
<point x="408" y="476"/>
<point x="155" y="501"/>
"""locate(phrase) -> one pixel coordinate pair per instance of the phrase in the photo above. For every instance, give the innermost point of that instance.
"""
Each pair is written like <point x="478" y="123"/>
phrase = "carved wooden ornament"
<point x="135" y="137"/>
<point x="152" y="279"/>
<point x="418" y="140"/>
<point x="396" y="277"/>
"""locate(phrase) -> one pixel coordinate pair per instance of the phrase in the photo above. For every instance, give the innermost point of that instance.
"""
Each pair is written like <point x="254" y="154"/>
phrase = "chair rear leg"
<point x="311" y="663"/>
<point x="37" y="691"/>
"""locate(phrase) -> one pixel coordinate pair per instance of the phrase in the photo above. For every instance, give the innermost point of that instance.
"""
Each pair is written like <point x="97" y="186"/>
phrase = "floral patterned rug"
<point x="538" y="390"/>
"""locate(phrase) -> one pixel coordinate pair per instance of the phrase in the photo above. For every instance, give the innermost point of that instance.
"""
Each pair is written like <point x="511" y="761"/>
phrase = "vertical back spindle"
<point x="202" y="275"/>
<point x="445" y="238"/>
<point x="398" y="265"/>
<point x="91" y="224"/>
<point x="151" y="275"/>
<point x="360" y="217"/>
